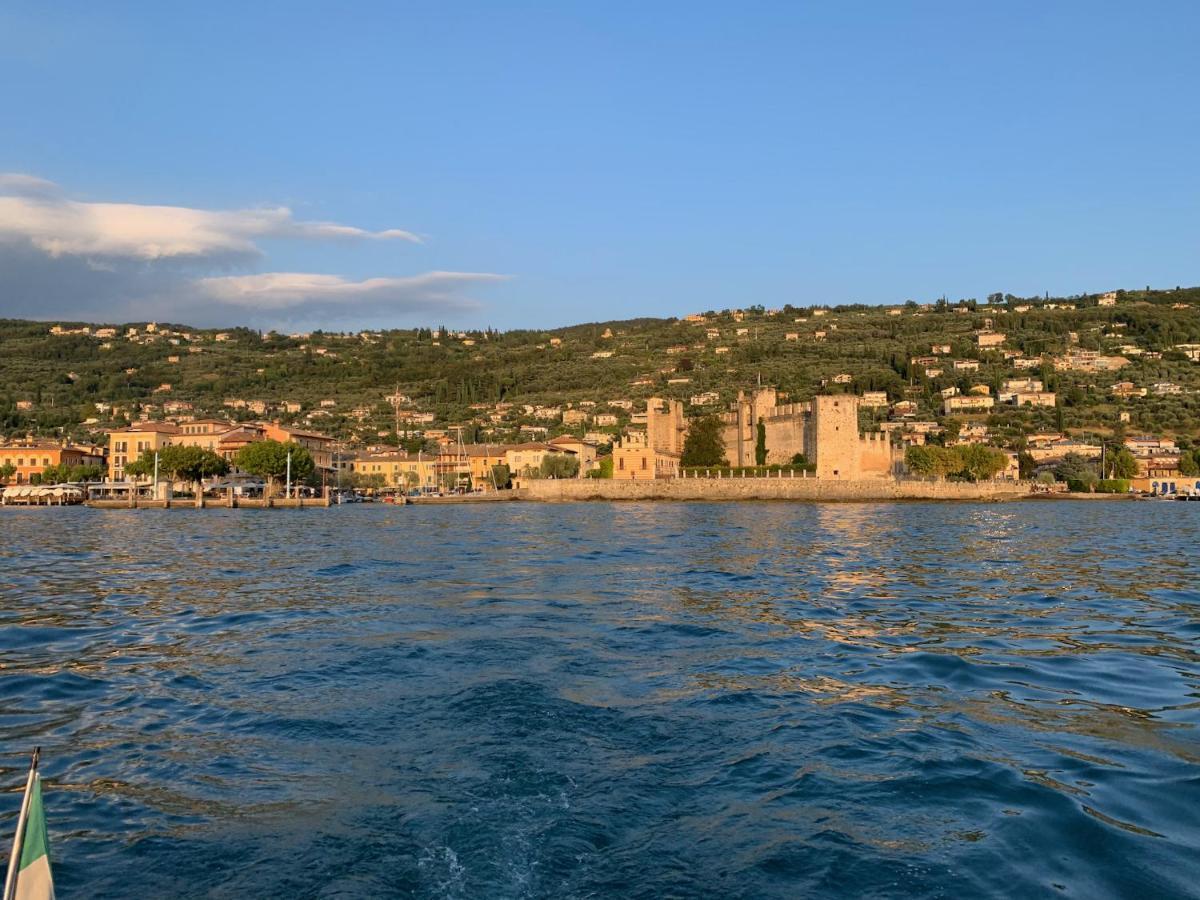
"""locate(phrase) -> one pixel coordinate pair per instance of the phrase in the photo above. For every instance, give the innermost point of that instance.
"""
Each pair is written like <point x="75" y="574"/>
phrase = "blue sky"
<point x="569" y="162"/>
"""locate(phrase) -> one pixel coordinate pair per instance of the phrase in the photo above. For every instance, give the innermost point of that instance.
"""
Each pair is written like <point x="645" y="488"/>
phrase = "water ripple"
<point x="633" y="700"/>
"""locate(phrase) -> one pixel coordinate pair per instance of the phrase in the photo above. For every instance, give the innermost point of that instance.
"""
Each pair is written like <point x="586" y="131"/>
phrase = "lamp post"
<point x="287" y="491"/>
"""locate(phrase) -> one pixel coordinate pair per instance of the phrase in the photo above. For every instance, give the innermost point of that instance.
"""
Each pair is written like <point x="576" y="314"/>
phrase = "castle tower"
<point x="835" y="442"/>
<point x="665" y="426"/>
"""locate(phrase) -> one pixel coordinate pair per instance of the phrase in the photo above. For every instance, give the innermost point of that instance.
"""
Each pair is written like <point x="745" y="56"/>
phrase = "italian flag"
<point x="33" y="877"/>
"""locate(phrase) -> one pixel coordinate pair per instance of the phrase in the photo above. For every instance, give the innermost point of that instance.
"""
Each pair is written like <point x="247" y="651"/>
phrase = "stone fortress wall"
<point x="825" y="431"/>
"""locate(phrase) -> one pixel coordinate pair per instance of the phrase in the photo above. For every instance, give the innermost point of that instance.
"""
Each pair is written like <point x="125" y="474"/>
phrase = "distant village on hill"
<point x="1088" y="392"/>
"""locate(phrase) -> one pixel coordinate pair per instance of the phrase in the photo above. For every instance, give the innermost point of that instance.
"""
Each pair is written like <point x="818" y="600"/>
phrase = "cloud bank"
<point x="66" y="258"/>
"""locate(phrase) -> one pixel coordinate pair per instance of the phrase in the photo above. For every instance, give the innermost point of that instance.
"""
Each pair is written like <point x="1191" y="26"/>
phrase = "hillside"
<point x="72" y="379"/>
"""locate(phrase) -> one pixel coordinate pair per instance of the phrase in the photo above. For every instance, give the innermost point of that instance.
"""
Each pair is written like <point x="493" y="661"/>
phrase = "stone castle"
<point x="824" y="430"/>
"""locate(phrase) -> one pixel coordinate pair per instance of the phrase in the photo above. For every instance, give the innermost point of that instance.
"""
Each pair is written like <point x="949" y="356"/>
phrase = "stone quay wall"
<point x="816" y="489"/>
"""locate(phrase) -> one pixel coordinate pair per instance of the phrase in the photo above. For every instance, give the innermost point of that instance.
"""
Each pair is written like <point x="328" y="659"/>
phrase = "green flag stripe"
<point x="36" y="843"/>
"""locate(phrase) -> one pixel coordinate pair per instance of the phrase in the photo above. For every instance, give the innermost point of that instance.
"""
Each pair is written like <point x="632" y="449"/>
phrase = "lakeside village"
<point x="845" y="433"/>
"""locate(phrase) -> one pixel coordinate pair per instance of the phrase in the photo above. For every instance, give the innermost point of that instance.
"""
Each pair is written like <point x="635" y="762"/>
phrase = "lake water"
<point x="595" y="700"/>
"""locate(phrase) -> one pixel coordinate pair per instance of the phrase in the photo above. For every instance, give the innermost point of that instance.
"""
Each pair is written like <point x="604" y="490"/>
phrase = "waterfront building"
<point x="635" y="458"/>
<point x="521" y="458"/>
<point x="320" y="446"/>
<point x="125" y="445"/>
<point x="397" y="468"/>
<point x="31" y="457"/>
<point x="585" y="451"/>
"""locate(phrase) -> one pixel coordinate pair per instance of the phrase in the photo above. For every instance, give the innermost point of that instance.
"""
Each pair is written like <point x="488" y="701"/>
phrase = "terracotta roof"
<point x="287" y="429"/>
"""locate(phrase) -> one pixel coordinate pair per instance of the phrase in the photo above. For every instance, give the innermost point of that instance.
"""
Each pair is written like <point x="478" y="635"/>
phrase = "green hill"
<point x="51" y="383"/>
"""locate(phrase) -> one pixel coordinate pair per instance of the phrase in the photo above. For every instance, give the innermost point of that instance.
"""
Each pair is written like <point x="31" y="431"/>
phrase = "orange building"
<point x="319" y="446"/>
<point x="31" y="458"/>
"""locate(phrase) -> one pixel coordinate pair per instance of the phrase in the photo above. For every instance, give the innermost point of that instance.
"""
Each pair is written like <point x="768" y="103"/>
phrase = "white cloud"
<point x="70" y="259"/>
<point x="33" y="212"/>
<point x="285" y="290"/>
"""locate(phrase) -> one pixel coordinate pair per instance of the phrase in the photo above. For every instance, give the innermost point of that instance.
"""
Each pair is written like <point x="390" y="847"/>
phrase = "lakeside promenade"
<point x="693" y="490"/>
<point x="800" y="489"/>
<point x="673" y="489"/>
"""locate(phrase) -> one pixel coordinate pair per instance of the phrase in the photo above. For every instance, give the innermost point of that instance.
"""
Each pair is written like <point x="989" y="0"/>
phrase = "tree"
<point x="192" y="464"/>
<point x="921" y="460"/>
<point x="559" y="465"/>
<point x="933" y="461"/>
<point x="979" y="463"/>
<point x="368" y="481"/>
<point x="1188" y="465"/>
<point x="7" y="471"/>
<point x="1076" y="470"/>
<point x="180" y="463"/>
<point x="604" y="468"/>
<point x="1026" y="464"/>
<point x="501" y="476"/>
<point x="142" y="466"/>
<point x="269" y="460"/>
<point x="760" y="444"/>
<point x="1122" y="464"/>
<point x="64" y="473"/>
<point x="703" y="445"/>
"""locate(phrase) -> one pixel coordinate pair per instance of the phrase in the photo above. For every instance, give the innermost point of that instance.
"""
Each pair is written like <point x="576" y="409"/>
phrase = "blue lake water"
<point x="609" y="700"/>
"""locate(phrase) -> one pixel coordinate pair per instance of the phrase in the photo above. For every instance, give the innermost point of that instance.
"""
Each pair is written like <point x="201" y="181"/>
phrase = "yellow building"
<point x="523" y="458"/>
<point x="481" y="458"/>
<point x="125" y="445"/>
<point x="399" y="470"/>
<point x="205" y="433"/>
<point x="634" y="459"/>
